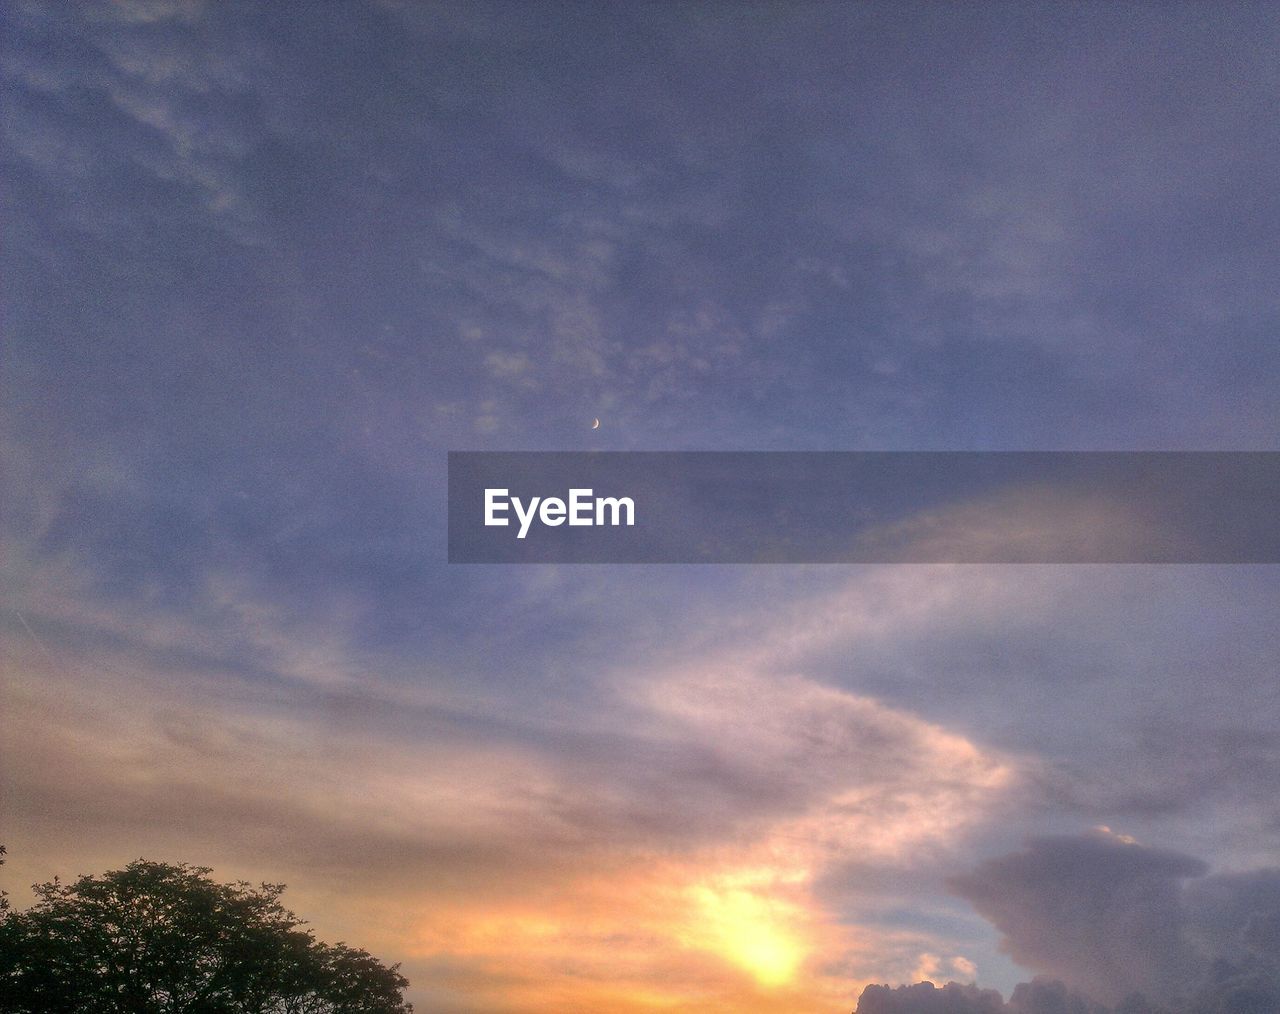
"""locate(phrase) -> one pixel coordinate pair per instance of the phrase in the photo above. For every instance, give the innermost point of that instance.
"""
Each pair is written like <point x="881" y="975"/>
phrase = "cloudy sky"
<point x="264" y="265"/>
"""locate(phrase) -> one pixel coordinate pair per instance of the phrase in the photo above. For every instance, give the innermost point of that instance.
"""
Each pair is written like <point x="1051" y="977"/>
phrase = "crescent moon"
<point x="595" y="424"/>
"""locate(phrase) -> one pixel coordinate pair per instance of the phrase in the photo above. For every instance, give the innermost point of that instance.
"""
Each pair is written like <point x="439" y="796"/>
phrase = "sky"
<point x="264" y="265"/>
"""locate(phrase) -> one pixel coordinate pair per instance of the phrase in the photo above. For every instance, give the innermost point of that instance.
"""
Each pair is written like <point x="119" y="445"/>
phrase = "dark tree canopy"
<point x="155" y="938"/>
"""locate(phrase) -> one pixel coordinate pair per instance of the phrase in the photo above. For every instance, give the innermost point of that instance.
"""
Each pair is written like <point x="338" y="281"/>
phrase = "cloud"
<point x="925" y="998"/>
<point x="1031" y="522"/>
<point x="1236" y="916"/>
<point x="1227" y="993"/>
<point x="706" y="776"/>
<point x="931" y="967"/>
<point x="512" y="366"/>
<point x="1040" y="996"/>
<point x="674" y="850"/>
<point x="138" y="93"/>
<point x="839" y="771"/>
<point x="263" y="264"/>
<point x="1092" y="910"/>
<point x="1119" y="922"/>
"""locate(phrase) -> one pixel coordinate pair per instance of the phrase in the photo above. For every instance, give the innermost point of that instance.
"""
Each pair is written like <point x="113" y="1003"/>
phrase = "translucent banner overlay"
<point x="864" y="507"/>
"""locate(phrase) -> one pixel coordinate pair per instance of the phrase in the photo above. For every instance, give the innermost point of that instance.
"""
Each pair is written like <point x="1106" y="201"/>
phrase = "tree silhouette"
<point x="155" y="938"/>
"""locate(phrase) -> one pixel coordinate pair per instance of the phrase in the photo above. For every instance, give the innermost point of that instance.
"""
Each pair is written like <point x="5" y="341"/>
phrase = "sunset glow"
<point x="747" y="926"/>
<point x="696" y="508"/>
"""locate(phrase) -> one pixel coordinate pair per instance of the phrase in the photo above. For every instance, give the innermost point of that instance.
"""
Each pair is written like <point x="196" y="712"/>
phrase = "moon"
<point x="595" y="424"/>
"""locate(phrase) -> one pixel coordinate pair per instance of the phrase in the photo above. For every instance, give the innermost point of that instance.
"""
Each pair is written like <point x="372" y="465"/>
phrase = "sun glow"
<point x="757" y="931"/>
<point x="736" y="923"/>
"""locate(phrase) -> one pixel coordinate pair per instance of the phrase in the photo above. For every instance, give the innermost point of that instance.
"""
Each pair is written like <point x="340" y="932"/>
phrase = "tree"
<point x="155" y="938"/>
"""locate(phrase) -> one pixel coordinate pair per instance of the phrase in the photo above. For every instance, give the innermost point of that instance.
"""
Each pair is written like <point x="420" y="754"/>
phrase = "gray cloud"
<point x="925" y="998"/>
<point x="1040" y="996"/>
<point x="1091" y="910"/>
<point x="1119" y="922"/>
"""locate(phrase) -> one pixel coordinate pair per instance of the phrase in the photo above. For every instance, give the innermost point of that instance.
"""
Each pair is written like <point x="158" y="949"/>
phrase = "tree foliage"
<point x="155" y="938"/>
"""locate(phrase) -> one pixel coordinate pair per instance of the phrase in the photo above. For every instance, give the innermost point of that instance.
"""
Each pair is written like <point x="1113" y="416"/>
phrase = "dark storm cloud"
<point x="1236" y="918"/>
<point x="1132" y="930"/>
<point x="1041" y="996"/>
<point x="925" y="998"/>
<point x="1093" y="911"/>
<point x="1113" y="918"/>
